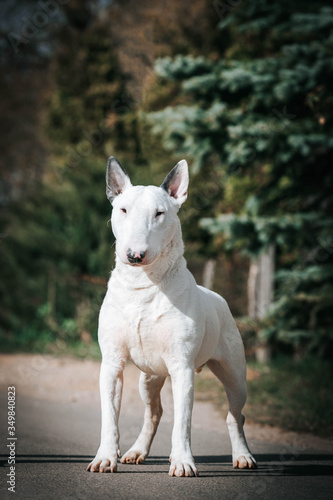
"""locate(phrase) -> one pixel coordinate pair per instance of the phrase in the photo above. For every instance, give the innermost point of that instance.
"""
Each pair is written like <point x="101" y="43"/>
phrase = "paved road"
<point x="56" y="441"/>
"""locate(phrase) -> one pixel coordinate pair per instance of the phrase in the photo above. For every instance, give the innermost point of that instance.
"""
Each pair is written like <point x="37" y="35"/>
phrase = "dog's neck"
<point x="155" y="274"/>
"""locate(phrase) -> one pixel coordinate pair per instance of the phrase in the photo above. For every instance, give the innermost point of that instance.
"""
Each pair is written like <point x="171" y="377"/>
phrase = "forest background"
<point x="243" y="91"/>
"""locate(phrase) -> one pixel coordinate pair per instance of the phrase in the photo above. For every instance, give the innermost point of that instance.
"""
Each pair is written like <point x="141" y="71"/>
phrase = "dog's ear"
<point x="117" y="179"/>
<point x="176" y="182"/>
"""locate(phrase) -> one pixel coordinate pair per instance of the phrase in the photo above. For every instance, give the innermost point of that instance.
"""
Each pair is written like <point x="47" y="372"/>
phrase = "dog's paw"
<point x="183" y="468"/>
<point x="244" y="462"/>
<point x="133" y="457"/>
<point x="103" y="464"/>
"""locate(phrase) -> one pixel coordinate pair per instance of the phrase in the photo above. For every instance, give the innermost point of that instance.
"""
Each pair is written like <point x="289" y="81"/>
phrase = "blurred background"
<point x="243" y="91"/>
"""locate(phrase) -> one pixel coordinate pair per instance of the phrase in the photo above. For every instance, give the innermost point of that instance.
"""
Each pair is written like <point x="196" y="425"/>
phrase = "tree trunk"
<point x="260" y="283"/>
<point x="265" y="281"/>
<point x="252" y="288"/>
<point x="208" y="273"/>
<point x="51" y="299"/>
<point x="260" y="293"/>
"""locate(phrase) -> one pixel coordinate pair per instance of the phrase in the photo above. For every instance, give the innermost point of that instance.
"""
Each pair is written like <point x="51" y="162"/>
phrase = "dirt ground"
<point x="67" y="379"/>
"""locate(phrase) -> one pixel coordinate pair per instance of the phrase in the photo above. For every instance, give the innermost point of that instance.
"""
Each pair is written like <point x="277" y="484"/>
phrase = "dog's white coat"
<point x="155" y="314"/>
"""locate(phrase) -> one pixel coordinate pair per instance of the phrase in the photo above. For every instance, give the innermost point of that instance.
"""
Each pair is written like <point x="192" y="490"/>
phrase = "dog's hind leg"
<point x="232" y="374"/>
<point x="150" y="387"/>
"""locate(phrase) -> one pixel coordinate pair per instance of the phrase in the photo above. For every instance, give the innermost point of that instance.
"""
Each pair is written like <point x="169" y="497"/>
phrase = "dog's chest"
<point x="149" y="328"/>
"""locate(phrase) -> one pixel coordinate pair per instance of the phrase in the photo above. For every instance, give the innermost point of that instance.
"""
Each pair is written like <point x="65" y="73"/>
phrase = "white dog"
<point x="155" y="314"/>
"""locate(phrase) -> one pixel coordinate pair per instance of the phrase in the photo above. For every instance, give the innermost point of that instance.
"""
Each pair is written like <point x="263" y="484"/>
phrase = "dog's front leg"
<point x="111" y="384"/>
<point x="182" y="462"/>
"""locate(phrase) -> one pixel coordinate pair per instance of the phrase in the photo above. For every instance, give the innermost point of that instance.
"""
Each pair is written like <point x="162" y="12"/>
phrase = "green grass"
<point x="46" y="344"/>
<point x="28" y="341"/>
<point x="291" y="395"/>
<point x="77" y="349"/>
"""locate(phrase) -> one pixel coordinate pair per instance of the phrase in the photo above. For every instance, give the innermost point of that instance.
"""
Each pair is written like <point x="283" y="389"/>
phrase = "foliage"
<point x="89" y="84"/>
<point x="292" y="395"/>
<point x="75" y="91"/>
<point x="260" y="118"/>
<point x="57" y="244"/>
<point x="295" y="395"/>
<point x="55" y="251"/>
<point x="248" y="104"/>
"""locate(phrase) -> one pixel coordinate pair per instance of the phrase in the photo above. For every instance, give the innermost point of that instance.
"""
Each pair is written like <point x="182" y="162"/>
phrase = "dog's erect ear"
<point x="176" y="182"/>
<point x="117" y="179"/>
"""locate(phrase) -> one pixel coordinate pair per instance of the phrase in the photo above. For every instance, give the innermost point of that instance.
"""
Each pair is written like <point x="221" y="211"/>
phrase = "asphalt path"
<point x="56" y="441"/>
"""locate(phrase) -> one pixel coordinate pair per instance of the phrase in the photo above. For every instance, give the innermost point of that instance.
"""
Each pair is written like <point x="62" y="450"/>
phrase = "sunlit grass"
<point x="292" y="395"/>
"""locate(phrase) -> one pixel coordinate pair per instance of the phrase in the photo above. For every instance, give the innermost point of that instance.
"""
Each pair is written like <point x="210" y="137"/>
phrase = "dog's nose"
<point x="135" y="257"/>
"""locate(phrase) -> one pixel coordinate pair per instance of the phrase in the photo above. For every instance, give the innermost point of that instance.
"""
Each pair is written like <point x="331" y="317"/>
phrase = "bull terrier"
<point x="155" y="315"/>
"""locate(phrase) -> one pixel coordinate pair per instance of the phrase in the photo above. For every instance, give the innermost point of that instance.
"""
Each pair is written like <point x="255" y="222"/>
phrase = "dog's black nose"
<point x="135" y="257"/>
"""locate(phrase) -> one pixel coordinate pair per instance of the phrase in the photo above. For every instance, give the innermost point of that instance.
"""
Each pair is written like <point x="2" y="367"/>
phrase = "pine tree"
<point x="260" y="118"/>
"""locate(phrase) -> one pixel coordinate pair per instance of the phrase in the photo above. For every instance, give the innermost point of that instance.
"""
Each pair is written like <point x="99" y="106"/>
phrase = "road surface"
<point x="56" y="439"/>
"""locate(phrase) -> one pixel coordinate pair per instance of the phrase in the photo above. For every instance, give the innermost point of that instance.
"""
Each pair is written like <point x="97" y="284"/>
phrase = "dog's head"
<point x="144" y="218"/>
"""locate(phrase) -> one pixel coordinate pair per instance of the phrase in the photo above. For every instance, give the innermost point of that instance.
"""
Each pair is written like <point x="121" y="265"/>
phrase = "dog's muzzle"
<point x="135" y="257"/>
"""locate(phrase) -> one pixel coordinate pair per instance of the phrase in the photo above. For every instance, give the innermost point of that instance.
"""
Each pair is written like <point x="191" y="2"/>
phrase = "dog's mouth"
<point x="138" y="262"/>
<point x="135" y="261"/>
<point x="135" y="258"/>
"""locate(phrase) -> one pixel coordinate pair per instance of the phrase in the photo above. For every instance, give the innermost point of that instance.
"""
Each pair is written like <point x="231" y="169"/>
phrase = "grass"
<point x="78" y="349"/>
<point x="45" y="344"/>
<point x="291" y="395"/>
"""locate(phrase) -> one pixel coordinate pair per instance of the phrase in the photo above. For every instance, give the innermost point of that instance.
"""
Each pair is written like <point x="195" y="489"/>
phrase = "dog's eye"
<point x="124" y="210"/>
<point x="159" y="213"/>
